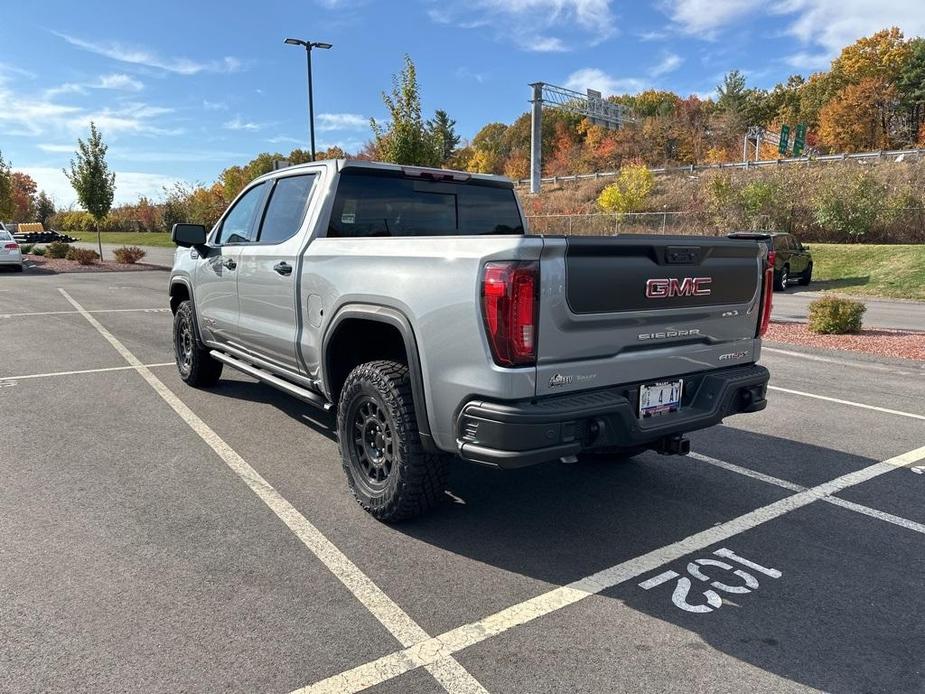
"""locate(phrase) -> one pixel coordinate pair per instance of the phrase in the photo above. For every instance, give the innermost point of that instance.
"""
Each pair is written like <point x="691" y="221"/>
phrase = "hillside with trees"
<point x="871" y="98"/>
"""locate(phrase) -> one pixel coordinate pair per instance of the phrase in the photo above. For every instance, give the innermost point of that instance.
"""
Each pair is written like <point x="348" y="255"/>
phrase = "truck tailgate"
<point x="616" y="310"/>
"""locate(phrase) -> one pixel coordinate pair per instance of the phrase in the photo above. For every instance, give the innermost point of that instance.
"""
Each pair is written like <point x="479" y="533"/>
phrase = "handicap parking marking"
<point x="445" y="669"/>
<point x="467" y="635"/>
<point x="714" y="600"/>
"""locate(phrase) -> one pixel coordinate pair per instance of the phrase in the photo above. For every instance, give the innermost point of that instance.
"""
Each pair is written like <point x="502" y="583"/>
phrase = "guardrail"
<point x="693" y="168"/>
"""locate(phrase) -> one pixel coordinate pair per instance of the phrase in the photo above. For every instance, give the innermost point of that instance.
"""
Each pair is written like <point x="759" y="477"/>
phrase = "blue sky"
<point x="183" y="89"/>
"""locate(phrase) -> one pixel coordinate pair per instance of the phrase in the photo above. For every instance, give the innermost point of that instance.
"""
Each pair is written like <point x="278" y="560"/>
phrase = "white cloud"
<point x="285" y="139"/>
<point x="140" y="56"/>
<point x="341" y="121"/>
<point x="129" y="184"/>
<point x="533" y="25"/>
<point x="833" y="24"/>
<point x="827" y="25"/>
<point x="238" y="123"/>
<point x="116" y="82"/>
<point x="594" y="78"/>
<point x="57" y="149"/>
<point x="808" y="62"/>
<point x="705" y="17"/>
<point x="214" y="105"/>
<point x="669" y="63"/>
<point x="121" y="82"/>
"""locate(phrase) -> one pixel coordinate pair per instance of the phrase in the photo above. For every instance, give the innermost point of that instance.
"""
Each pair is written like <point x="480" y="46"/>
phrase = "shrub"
<point x="851" y="206"/>
<point x="84" y="256"/>
<point x="129" y="254"/>
<point x="26" y="247"/>
<point x="38" y="250"/>
<point x="634" y="184"/>
<point x="835" y="315"/>
<point x="57" y="249"/>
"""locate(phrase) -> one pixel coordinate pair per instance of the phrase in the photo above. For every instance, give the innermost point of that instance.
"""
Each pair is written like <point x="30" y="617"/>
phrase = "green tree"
<point x="92" y="180"/>
<point x="441" y="129"/>
<point x="732" y="93"/>
<point x="44" y="208"/>
<point x="6" y="190"/>
<point x="911" y="87"/>
<point x="407" y="140"/>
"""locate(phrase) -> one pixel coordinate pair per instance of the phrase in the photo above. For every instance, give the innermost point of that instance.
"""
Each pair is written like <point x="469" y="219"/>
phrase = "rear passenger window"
<point x="286" y="208"/>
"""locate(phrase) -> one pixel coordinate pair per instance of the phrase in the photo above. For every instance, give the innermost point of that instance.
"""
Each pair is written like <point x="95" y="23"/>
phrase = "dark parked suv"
<point x="791" y="259"/>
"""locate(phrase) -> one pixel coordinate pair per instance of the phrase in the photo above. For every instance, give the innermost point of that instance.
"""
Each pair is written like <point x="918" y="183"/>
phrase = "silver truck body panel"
<point x="435" y="282"/>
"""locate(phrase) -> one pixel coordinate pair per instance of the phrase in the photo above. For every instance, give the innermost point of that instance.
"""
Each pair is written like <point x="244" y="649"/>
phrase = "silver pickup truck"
<point x="414" y="303"/>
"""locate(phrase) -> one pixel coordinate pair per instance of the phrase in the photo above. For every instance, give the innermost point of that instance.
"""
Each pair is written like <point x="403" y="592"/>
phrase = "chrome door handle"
<point x="283" y="268"/>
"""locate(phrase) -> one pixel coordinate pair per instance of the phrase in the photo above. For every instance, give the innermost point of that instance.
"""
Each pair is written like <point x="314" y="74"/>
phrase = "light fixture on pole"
<point x="309" y="45"/>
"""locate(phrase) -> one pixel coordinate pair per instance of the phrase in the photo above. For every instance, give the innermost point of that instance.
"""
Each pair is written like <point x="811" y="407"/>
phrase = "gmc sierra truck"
<point x="413" y="302"/>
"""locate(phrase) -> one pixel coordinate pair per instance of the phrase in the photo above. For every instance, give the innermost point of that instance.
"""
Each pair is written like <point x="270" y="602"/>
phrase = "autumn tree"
<point x="911" y="87"/>
<point x="407" y="140"/>
<point x="630" y="191"/>
<point x="860" y="117"/>
<point x="882" y="55"/>
<point x="92" y="180"/>
<point x="22" y="191"/>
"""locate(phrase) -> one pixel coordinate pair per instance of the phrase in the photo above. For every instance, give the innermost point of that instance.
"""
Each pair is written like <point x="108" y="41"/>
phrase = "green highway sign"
<point x="799" y="139"/>
<point x="784" y="139"/>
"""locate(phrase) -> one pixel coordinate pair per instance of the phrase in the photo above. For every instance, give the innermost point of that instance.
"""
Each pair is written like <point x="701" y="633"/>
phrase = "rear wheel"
<point x="807" y="275"/>
<point x="387" y="468"/>
<point x="196" y="366"/>
<point x="782" y="278"/>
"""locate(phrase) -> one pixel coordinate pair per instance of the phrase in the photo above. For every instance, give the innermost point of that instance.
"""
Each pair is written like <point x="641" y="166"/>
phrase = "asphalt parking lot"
<point x="155" y="537"/>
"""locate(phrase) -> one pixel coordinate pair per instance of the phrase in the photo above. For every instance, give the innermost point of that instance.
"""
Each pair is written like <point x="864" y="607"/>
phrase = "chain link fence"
<point x="601" y="224"/>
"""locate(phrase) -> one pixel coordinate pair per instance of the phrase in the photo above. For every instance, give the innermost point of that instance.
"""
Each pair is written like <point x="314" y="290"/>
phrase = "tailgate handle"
<point x="682" y="255"/>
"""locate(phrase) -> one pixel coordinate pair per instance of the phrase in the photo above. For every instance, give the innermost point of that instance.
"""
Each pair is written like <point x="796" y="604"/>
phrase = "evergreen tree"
<point x="441" y="129"/>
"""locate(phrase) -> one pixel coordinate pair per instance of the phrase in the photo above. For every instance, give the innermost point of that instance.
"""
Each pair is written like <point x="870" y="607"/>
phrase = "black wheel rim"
<point x="372" y="444"/>
<point x="184" y="346"/>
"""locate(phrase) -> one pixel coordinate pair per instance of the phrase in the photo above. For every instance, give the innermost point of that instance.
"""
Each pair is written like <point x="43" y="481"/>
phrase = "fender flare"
<point x="189" y="290"/>
<point x="398" y="320"/>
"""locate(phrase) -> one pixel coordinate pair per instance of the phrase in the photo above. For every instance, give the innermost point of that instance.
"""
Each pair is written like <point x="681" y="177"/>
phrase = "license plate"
<point x="660" y="398"/>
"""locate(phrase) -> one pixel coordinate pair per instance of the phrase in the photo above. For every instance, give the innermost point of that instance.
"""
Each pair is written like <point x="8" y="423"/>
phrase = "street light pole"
<point x="311" y="103"/>
<point x="309" y="45"/>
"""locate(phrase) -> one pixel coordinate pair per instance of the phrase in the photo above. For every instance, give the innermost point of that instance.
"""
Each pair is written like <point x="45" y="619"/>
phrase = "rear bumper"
<point x="10" y="258"/>
<point x="525" y="432"/>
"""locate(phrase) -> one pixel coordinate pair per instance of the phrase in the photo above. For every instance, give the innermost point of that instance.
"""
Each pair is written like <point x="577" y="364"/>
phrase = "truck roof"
<point x="455" y="174"/>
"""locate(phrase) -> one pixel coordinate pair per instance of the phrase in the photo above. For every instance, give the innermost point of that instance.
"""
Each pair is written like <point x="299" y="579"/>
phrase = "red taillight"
<point x="767" y="296"/>
<point x="509" y="307"/>
<point x="12" y="246"/>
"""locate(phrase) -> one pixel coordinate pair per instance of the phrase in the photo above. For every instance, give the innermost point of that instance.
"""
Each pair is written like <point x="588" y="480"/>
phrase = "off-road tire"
<point x="781" y="279"/>
<point x="807" y="275"/>
<point x="414" y="481"/>
<point x="196" y="366"/>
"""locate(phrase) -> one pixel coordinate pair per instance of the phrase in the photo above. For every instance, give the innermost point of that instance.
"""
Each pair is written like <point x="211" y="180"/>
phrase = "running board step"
<point x="302" y="394"/>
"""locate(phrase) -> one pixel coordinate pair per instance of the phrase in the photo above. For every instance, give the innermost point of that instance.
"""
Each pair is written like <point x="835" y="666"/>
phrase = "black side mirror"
<point x="188" y="235"/>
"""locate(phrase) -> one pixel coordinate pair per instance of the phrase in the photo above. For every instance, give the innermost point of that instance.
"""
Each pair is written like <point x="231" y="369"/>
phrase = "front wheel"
<point x="196" y="366"/>
<point x="807" y="275"/>
<point x="387" y="468"/>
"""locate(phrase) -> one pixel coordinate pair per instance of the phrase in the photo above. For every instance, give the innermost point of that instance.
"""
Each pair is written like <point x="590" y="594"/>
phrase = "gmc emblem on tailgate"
<point x="689" y="286"/>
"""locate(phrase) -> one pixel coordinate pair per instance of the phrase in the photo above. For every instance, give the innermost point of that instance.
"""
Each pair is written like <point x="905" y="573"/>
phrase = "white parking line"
<point x="885" y="410"/>
<point x="102" y="310"/>
<point x="834" y="500"/>
<point x="856" y="363"/>
<point x="84" y="371"/>
<point x="467" y="635"/>
<point x="448" y="672"/>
